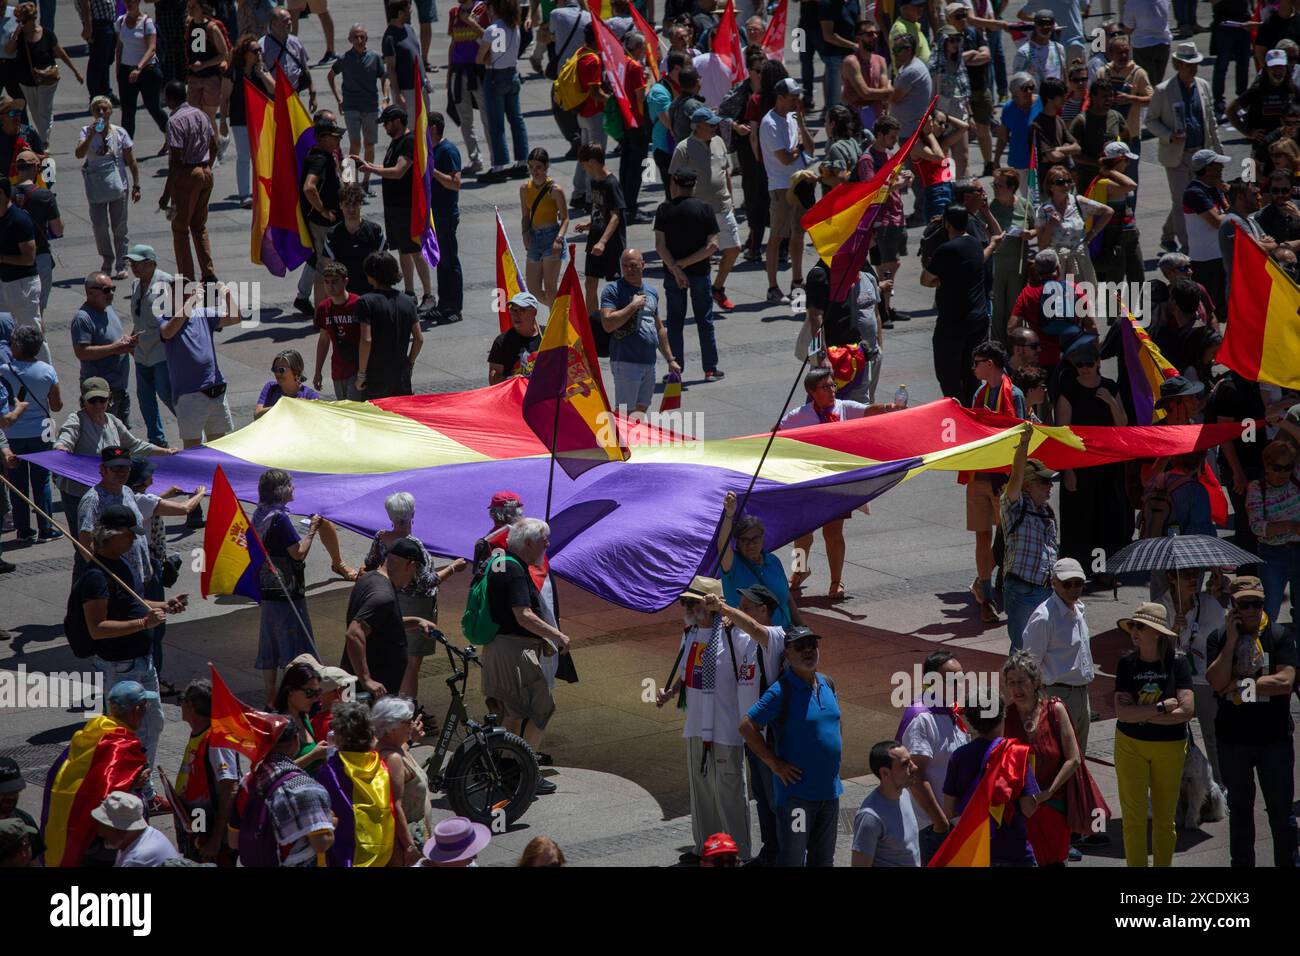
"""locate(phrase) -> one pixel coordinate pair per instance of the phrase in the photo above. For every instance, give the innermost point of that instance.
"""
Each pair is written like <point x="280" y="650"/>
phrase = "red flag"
<point x="252" y="732"/>
<point x="614" y="58"/>
<point x="651" y="41"/>
<point x="726" y="43"/>
<point x="774" y="38"/>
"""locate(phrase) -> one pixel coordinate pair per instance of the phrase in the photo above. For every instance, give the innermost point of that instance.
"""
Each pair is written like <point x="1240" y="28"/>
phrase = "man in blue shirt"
<point x="805" y="716"/>
<point x="444" y="203"/>
<point x="101" y="344"/>
<point x="629" y="311"/>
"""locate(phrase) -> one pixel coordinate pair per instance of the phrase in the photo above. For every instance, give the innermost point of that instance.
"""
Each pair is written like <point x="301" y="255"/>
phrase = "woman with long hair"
<point x="245" y="63"/>
<point x="139" y="76"/>
<point x="498" y="52"/>
<point x="545" y="222"/>
<point x="35" y="48"/>
<point x="298" y="693"/>
<point x="207" y="52"/>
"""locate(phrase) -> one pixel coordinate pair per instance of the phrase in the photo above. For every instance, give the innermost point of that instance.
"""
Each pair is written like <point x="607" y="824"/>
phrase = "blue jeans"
<point x="501" y="102"/>
<point x="994" y="39"/>
<point x="1185" y="13"/>
<point x="103" y="44"/>
<point x="831" y="66"/>
<point x="1281" y="565"/>
<point x="451" y="282"/>
<point x="152" y="383"/>
<point x="1020" y="600"/>
<point x="937" y="198"/>
<point x="808" y="837"/>
<point x="702" y="301"/>
<point x="31" y="476"/>
<point x="154" y="591"/>
<point x="141" y="670"/>
<point x="1234" y="48"/>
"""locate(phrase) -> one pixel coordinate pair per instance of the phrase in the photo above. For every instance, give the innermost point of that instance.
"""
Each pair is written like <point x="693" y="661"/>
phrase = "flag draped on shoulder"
<point x="840" y="224"/>
<point x="727" y="45"/>
<point x="614" y="59"/>
<point x="361" y="796"/>
<point x="237" y="727"/>
<point x="422" y="229"/>
<point x="103" y="756"/>
<point x="565" y="405"/>
<point x="232" y="552"/>
<point x="1262" y="341"/>
<point x="969" y="843"/>
<point x="651" y="42"/>
<point x="509" y="282"/>
<point x="282" y="143"/>
<point x="1146" y="369"/>
<point x="774" y="38"/>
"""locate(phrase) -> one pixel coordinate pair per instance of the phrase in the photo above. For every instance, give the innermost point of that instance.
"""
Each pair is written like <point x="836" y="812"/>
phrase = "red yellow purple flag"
<point x="103" y="756"/>
<point x="672" y="397"/>
<point x="1262" y="341"/>
<point x="614" y="59"/>
<point x="361" y="797"/>
<point x="970" y="841"/>
<point x="232" y="553"/>
<point x="283" y="141"/>
<point x="260" y="113"/>
<point x="565" y="404"/>
<point x="774" y="38"/>
<point x="422" y="230"/>
<point x="726" y="43"/>
<point x="509" y="282"/>
<point x="840" y="224"/>
<point x="1146" y="368"/>
<point x="651" y="42"/>
<point x="234" y="726"/>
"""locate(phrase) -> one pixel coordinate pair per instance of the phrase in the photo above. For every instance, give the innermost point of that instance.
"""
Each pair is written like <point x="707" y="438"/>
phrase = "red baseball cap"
<point x="503" y="498"/>
<point x="720" y="844"/>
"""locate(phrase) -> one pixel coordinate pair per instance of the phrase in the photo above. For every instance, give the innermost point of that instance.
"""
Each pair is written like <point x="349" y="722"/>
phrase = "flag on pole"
<point x="1146" y="368"/>
<point x="672" y="398"/>
<point x="509" y="281"/>
<point x="726" y="43"/>
<point x="1032" y="186"/>
<point x="565" y="404"/>
<point x="238" y="727"/>
<point x="232" y="553"/>
<point x="840" y="224"/>
<point x="774" y="38"/>
<point x="614" y="58"/>
<point x="1262" y="342"/>
<point x="651" y="42"/>
<point x="422" y="231"/>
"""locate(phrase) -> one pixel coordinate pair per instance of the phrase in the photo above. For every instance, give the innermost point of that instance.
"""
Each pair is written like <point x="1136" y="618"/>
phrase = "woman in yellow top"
<point x="545" y="223"/>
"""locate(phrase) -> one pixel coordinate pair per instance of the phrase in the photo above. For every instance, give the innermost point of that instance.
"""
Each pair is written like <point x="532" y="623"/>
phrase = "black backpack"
<point x="74" y="623"/>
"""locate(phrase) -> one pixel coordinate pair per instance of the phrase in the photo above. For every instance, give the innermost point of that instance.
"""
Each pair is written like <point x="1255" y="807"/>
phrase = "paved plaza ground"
<point x="620" y="762"/>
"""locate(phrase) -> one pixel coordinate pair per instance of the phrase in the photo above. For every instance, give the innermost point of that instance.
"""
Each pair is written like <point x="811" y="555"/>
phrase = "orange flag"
<point x="252" y="732"/>
<point x="651" y="42"/>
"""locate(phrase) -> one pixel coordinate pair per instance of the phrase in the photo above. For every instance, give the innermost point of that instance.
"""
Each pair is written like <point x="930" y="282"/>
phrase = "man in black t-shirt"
<point x="607" y="229"/>
<point x="319" y="196"/>
<point x="349" y="242"/>
<point x="513" y="350"/>
<point x="390" y="332"/>
<point x="836" y="321"/>
<point x="1282" y="24"/>
<point x="375" y="645"/>
<point x="686" y="235"/>
<point x="20" y="286"/>
<point x="956" y="273"/>
<point x="43" y="207"/>
<point x="1252" y="669"/>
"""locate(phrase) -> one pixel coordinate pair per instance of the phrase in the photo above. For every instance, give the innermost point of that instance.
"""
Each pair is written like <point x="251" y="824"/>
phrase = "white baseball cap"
<point x="1068" y="569"/>
<point x="1275" y="58"/>
<point x="1117" y="149"/>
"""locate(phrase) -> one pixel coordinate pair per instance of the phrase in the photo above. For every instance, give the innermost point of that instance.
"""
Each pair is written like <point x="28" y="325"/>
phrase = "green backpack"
<point x="476" y="623"/>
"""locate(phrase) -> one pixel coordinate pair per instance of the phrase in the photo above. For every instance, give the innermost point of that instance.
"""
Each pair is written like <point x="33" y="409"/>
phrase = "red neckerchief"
<point x="826" y="415"/>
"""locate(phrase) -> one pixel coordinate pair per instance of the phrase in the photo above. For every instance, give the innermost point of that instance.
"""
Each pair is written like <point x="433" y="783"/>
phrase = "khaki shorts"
<point x="203" y="91"/>
<point x="201" y="417"/>
<point x="513" y="676"/>
<point x="981" y="106"/>
<point x="728" y="231"/>
<point x="784" y="215"/>
<point x="981" y="505"/>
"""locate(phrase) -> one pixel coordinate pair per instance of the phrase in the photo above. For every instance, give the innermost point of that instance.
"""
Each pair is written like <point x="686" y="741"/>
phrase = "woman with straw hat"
<point x="1153" y="703"/>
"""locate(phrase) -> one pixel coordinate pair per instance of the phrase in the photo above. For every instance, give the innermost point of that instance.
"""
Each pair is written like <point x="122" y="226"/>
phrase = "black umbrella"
<point x="1178" y="551"/>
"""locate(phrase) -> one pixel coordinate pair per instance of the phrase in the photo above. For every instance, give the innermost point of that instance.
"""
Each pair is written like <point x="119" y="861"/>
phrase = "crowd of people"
<point x="1046" y="210"/>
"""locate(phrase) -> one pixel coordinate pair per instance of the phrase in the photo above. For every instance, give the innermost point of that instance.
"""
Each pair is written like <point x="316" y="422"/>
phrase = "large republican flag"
<point x="259" y="110"/>
<point x="1262" y="341"/>
<point x="1002" y="780"/>
<point x="727" y="44"/>
<point x="774" y="38"/>
<point x="422" y="231"/>
<point x="236" y="727"/>
<point x="232" y="552"/>
<point x="280" y="238"/>
<point x="565" y="405"/>
<point x="103" y="756"/>
<point x="614" y="58"/>
<point x="361" y="796"/>
<point x="509" y="281"/>
<point x="840" y="224"/>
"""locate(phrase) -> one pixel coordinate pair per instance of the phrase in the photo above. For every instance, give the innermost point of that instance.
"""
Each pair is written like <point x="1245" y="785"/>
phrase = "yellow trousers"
<point x="1153" y="767"/>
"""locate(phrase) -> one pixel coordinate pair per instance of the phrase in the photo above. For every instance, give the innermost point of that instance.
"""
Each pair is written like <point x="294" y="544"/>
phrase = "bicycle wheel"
<point x="494" y="776"/>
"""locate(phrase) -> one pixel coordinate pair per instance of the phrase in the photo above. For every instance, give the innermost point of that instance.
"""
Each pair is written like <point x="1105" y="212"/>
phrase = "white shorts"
<point x="199" y="416"/>
<point x="728" y="231"/>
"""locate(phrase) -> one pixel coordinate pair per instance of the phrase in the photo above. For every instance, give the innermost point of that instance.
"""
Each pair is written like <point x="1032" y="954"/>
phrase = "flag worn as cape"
<point x="970" y="841"/>
<point x="509" y="280"/>
<point x="361" y="796"/>
<point x="565" y="405"/>
<point x="232" y="552"/>
<point x="726" y="43"/>
<point x="1146" y="369"/>
<point x="774" y="38"/>
<point x="290" y="138"/>
<point x="422" y="231"/>
<point x="651" y="42"/>
<point x="614" y="59"/>
<point x="103" y="756"/>
<point x="840" y="224"/>
<point x="235" y="726"/>
<point x="1262" y="341"/>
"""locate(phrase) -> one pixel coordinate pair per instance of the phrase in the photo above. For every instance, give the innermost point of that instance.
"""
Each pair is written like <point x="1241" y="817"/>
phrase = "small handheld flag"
<point x="251" y="732"/>
<point x="672" y="398"/>
<point x="232" y="553"/>
<point x="509" y="282"/>
<point x="726" y="43"/>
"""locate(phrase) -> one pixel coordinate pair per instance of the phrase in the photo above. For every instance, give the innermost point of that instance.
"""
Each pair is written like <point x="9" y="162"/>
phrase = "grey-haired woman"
<point x="397" y="725"/>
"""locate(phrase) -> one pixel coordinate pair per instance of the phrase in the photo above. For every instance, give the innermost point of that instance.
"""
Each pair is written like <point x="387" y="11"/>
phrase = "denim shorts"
<point x="362" y="127"/>
<point x="538" y="243"/>
<point x="634" y="384"/>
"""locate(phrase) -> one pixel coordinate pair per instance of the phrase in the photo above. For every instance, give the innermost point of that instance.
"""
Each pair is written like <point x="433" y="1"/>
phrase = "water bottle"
<point x="900" y="397"/>
<point x="349" y="174"/>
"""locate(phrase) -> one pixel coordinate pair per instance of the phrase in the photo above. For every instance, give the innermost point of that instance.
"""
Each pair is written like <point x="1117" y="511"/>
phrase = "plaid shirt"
<point x="103" y="10"/>
<point x="1031" y="547"/>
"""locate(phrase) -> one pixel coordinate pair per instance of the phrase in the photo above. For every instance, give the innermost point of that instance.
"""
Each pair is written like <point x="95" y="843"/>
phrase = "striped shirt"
<point x="1030" y="539"/>
<point x="1265" y="503"/>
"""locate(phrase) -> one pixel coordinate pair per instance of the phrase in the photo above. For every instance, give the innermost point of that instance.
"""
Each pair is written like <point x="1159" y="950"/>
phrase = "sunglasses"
<point x="1252" y="604"/>
<point x="1062" y="182"/>
<point x="1032" y="345"/>
<point x="107" y="289"/>
<point x="1281" y="191"/>
<point x="311" y="693"/>
<point x="126" y="468"/>
<point x="1072" y="585"/>
<point x="96" y="401"/>
<point x="1084" y="363"/>
<point x="691" y="603"/>
<point x="805" y="644"/>
<point x="13" y="113"/>
<point x="279" y="369"/>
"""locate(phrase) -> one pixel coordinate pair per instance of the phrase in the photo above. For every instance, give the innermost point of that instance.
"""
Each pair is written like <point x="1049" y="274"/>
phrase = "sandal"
<point x="837" y="592"/>
<point x="345" y="572"/>
<point x="797" y="579"/>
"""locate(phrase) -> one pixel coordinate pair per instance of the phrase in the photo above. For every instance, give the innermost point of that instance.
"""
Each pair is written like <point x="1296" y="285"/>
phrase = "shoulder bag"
<point x="105" y="182"/>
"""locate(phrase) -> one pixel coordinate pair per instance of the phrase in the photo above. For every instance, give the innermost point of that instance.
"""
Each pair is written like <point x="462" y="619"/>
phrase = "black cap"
<point x="114" y="455"/>
<point x="684" y="177"/>
<point x="799" y="632"/>
<point x="408" y="549"/>
<point x="119" y="518"/>
<point x="11" y="778"/>
<point x="761" y="594"/>
<point x="392" y="113"/>
<point x="141" y="472"/>
<point x="325" y="127"/>
<point x="1176" y="386"/>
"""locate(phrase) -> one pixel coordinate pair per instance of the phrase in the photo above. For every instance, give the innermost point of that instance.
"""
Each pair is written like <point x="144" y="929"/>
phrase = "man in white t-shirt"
<point x="718" y="671"/>
<point x="1196" y="614"/>
<point x="930" y="732"/>
<point x="123" y="828"/>
<point x="885" y="831"/>
<point x="786" y="145"/>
